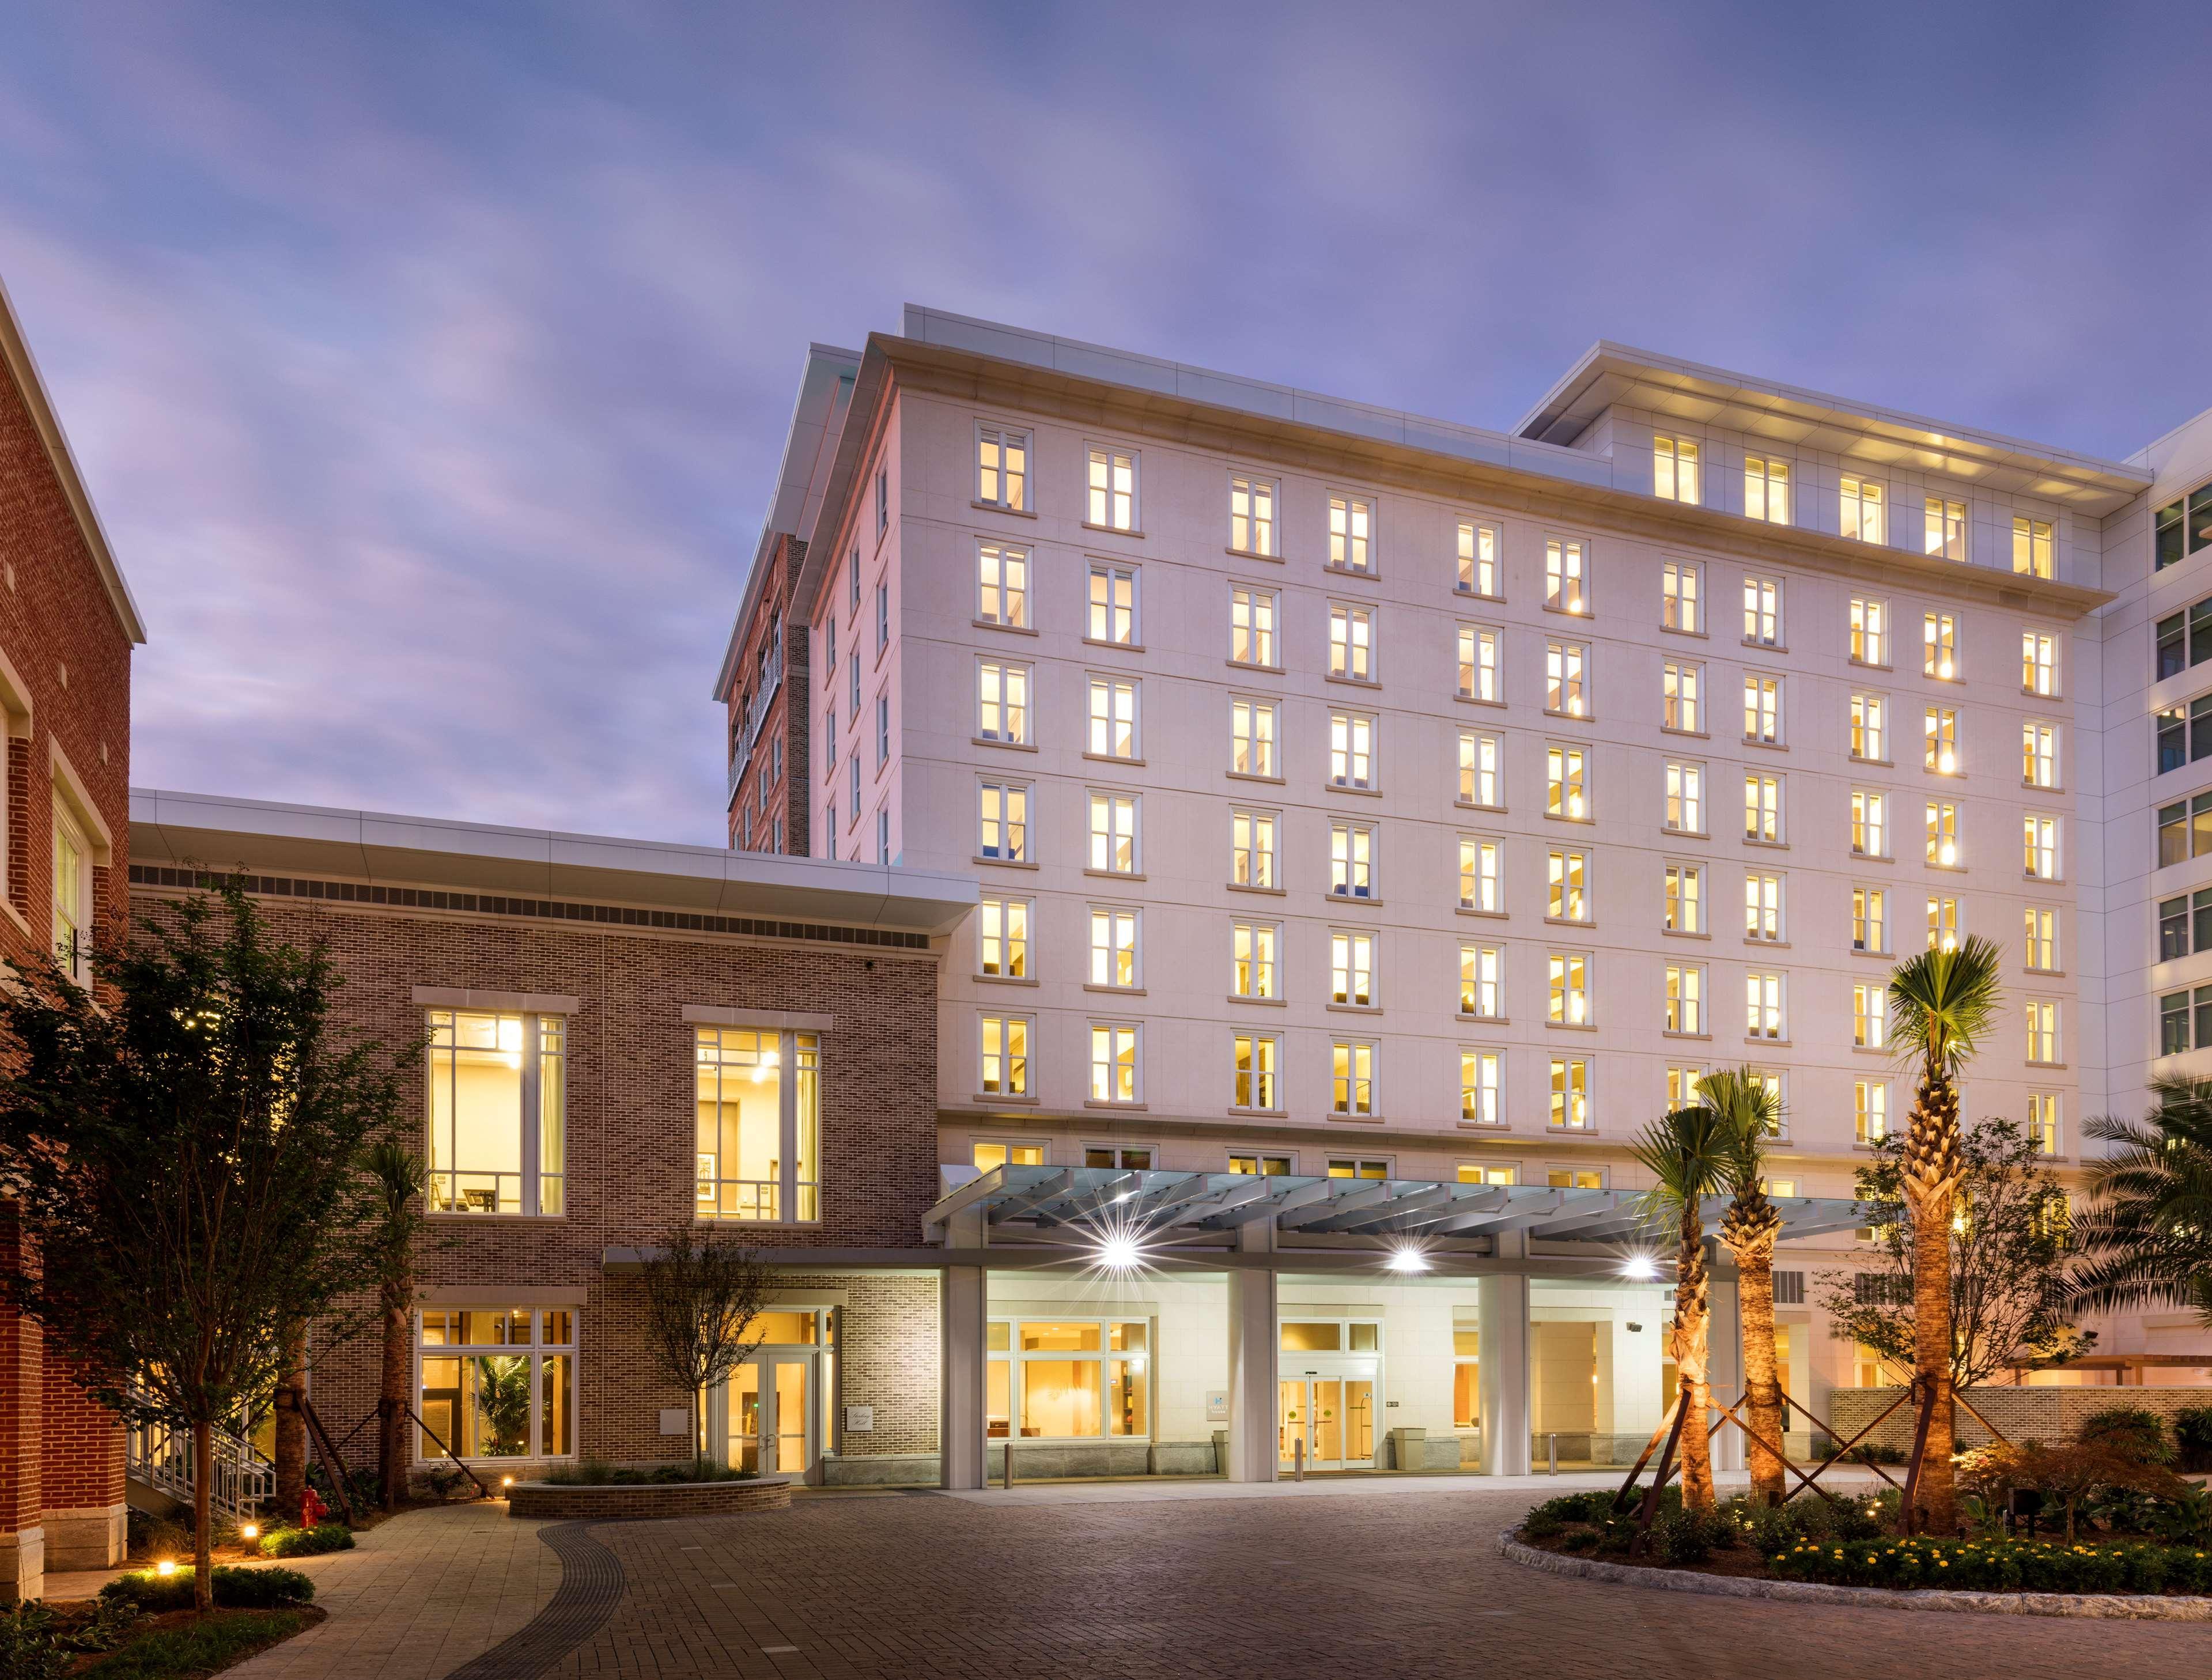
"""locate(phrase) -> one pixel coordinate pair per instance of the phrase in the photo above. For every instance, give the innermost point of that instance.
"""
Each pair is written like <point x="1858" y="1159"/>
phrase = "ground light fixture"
<point x="249" y="1530"/>
<point x="167" y="1566"/>
<point x="506" y="1481"/>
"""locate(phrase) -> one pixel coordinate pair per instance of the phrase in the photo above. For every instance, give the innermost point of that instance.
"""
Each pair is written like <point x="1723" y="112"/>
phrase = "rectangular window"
<point x="759" y="1132"/>
<point x="497" y="1109"/>
<point x="883" y="616"/>
<point x="1252" y="515"/>
<point x="1252" y="737"/>
<point x="1762" y="1004"/>
<point x="2031" y="547"/>
<point x="1482" y="1096"/>
<point x="1681" y="597"/>
<point x="1939" y="646"/>
<point x="1685" y="798"/>
<point x="1682" y="1086"/>
<point x="2042" y="1031"/>
<point x="883" y="733"/>
<point x="2038" y="754"/>
<point x="2041" y="844"/>
<point x="1112" y="714"/>
<point x="1112" y="947"/>
<point x="1680" y="692"/>
<point x="1350" y="750"/>
<point x="1939" y="740"/>
<point x="72" y="897"/>
<point x="1264" y="1166"/>
<point x="497" y="1382"/>
<point x="1341" y="1167"/>
<point x="1946" y="528"/>
<point x="1251" y="626"/>
<point x="1253" y="947"/>
<point x="2168" y="528"/>
<point x="1860" y="510"/>
<point x="2043" y="1121"/>
<point x="1568" y="900"/>
<point x="1351" y="642"/>
<point x="1869" y="732"/>
<point x="1869" y="823"/>
<point x="1002" y="702"/>
<point x="1568" y="988"/>
<point x="1767" y="489"/>
<point x="1675" y="470"/>
<point x="1005" y="924"/>
<point x="1002" y="585"/>
<point x="853" y="783"/>
<point x="1479" y="758"/>
<point x="1113" y="1062"/>
<point x="1869" y="1111"/>
<point x="1352" y="968"/>
<point x="2172" y="657"/>
<point x="1478" y="664"/>
<point x="1564" y="793"/>
<point x="1254" y="1059"/>
<point x="1113" y="487"/>
<point x="2173" y="1023"/>
<point x="1942" y="924"/>
<point x="1114" y="1158"/>
<point x="1480" y="887"/>
<point x="1686" y="998"/>
<point x="1869" y="632"/>
<point x="2042" y="924"/>
<point x="1482" y="981"/>
<point x="1252" y="848"/>
<point x="1762" y="908"/>
<point x="2173" y="928"/>
<point x="1352" y="1078"/>
<point x="1762" y="709"/>
<point x="1002" y="823"/>
<point x="1869" y="920"/>
<point x="1083" y="1379"/>
<point x="1564" y="663"/>
<point x="1112" y="610"/>
<point x="1112" y="832"/>
<point x="1869" y="1015"/>
<point x="1350" y="860"/>
<point x="1351" y="533"/>
<point x="1002" y="467"/>
<point x="1479" y="572"/>
<point x="1762" y="612"/>
<point x="1565" y="584"/>
<point x="2038" y="663"/>
<point x="1686" y="898"/>
<point x="1006" y="1064"/>
<point x="1571" y="1092"/>
<point x="1943" y="833"/>
<point x="1762" y="809"/>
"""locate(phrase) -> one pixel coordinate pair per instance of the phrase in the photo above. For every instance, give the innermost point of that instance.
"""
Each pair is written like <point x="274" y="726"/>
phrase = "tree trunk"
<point x="391" y="1408"/>
<point x="1693" y="1339"/>
<point x="291" y="1457"/>
<point x="1762" y="1384"/>
<point x="203" y="1516"/>
<point x="1931" y="1326"/>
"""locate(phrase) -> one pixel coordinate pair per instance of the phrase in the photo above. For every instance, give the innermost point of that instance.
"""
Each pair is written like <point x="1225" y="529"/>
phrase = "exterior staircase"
<point x="158" y="1471"/>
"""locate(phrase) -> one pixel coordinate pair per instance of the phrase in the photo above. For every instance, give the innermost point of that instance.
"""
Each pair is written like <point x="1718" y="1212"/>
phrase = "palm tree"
<point x="397" y="1175"/>
<point x="1687" y="1154"/>
<point x="2146" y="1238"/>
<point x="1942" y="1005"/>
<point x="1750" y="1229"/>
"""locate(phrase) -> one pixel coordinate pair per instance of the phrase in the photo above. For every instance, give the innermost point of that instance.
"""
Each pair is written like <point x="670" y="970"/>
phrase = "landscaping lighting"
<point x="167" y="1566"/>
<point x="506" y="1481"/>
<point x="249" y="1530"/>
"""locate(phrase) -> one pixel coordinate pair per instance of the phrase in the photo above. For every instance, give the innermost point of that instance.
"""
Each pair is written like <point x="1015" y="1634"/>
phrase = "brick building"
<point x="67" y="626"/>
<point x="622" y="1036"/>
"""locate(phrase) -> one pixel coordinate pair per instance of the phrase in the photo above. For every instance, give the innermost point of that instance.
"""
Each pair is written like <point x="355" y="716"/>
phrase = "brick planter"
<point x="615" y="1502"/>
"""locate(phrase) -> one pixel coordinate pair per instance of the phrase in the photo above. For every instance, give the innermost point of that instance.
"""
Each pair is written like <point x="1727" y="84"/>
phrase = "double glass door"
<point x="1334" y="1418"/>
<point x="770" y="1415"/>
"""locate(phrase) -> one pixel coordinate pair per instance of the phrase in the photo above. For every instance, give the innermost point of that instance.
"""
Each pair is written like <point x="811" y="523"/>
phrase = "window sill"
<point x="1583" y="613"/>
<point x="1702" y="1038"/>
<point x="2046" y="1067"/>
<point x="1343" y="681"/>
<point x="1683" y="933"/>
<point x="1676" y="630"/>
<point x="1351" y="898"/>
<point x="2037" y="693"/>
<point x="1253" y="666"/>
<point x="1684" y="834"/>
<point x="1011" y="629"/>
<point x="1114" y="530"/>
<point x="1336" y="570"/>
<point x="1272" y="892"/>
<point x="1769" y="1043"/>
<point x="1120" y="1108"/>
<point x="1115" y="991"/>
<point x="1684" y="734"/>
<point x="1458" y="594"/>
<point x="1873" y="858"/>
<point x="1363" y="792"/>
<point x="1234" y="1113"/>
<point x="1358" y="1119"/>
<point x="2043" y="880"/>
<point x="1945" y="869"/>
<point x="1004" y="979"/>
<point x="1352" y="1009"/>
<point x="2053" y="973"/>
<point x="1766" y="746"/>
<point x="1115" y="646"/>
<point x="1487" y="915"/>
<point x="1571" y="717"/>
<point x="1588" y="923"/>
<point x="1561" y="816"/>
<point x="2042" y="787"/>
<point x="1878" y="957"/>
<point x="1010" y="746"/>
<point x="719" y="1223"/>
<point x="1873" y="763"/>
<point x="1114" y="875"/>
<point x="1571" y="1025"/>
<point x="1767" y="845"/>
<point x="995" y="1101"/>
<point x="453" y="1213"/>
<point x="1881" y="1050"/>
<point x="1252" y="776"/>
<point x="1001" y="507"/>
<point x="1753" y="941"/>
<point x="1869" y="664"/>
<point x="1269" y="1002"/>
<point x="1765" y="646"/>
<point x="1477" y="700"/>
<point x="1004" y="863"/>
<point x="1475" y="805"/>
<point x="1947" y="775"/>
<point x="1484" y="1020"/>
<point x="1110" y="758"/>
<point x="1253" y="554"/>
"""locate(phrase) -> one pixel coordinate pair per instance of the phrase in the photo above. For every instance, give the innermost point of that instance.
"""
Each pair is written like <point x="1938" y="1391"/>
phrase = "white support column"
<point x="1726" y="1365"/>
<point x="963" y="1296"/>
<point x="1252" y="1346"/>
<point x="1502" y="1378"/>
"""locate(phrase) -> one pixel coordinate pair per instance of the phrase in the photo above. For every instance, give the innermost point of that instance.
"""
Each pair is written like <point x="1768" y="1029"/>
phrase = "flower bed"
<point x="1999" y="1566"/>
<point x="628" y="1502"/>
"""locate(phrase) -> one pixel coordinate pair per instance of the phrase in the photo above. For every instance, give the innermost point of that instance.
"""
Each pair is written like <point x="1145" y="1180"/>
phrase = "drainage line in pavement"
<point x="591" y="1586"/>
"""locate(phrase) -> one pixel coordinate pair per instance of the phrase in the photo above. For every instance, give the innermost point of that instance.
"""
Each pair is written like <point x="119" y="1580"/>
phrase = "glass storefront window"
<point x="1466" y="1377"/>
<point x="1078" y="1379"/>
<point x="496" y="1382"/>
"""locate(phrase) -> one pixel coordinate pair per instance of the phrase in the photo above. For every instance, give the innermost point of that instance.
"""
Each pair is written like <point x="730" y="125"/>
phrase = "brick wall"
<point x="22" y="1390"/>
<point x="81" y="1449"/>
<point x="2023" y="1414"/>
<point x="786" y="718"/>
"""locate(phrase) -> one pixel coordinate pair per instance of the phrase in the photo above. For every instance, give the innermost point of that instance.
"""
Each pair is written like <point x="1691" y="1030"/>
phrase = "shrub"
<point x="1997" y="1565"/>
<point x="2128" y="1432"/>
<point x="307" y="1541"/>
<point x="236" y="1587"/>
<point x="2192" y="1433"/>
<point x="595" y="1473"/>
<point x="1690" y="1536"/>
<point x="1580" y="1540"/>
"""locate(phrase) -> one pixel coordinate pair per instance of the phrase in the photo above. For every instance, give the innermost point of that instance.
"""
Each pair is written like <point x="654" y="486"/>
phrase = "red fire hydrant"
<point x="312" y="1508"/>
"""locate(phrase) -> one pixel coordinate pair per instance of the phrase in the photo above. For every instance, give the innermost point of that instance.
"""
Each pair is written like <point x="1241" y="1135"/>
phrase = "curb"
<point x="2094" y="1606"/>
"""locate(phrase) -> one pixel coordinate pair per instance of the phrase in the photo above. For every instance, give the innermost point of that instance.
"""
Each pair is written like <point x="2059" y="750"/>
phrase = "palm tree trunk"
<point x="1762" y="1383"/>
<point x="1692" y="1346"/>
<point x="203" y="1516"/>
<point x="291" y="1455"/>
<point x="391" y="1408"/>
<point x="1931" y="1328"/>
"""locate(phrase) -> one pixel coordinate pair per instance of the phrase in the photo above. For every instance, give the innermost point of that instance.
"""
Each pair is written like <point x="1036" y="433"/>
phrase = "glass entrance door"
<point x="1332" y="1416"/>
<point x="770" y="1416"/>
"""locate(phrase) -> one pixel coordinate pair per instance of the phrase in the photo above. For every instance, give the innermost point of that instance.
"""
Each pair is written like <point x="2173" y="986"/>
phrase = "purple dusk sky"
<point x="429" y="362"/>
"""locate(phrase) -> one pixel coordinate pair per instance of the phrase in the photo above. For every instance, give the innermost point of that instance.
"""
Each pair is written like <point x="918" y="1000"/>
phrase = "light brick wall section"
<point x="2049" y="1415"/>
<point x="631" y="1143"/>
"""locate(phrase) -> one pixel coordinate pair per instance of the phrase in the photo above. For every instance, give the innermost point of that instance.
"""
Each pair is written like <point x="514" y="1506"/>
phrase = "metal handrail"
<point x="161" y="1457"/>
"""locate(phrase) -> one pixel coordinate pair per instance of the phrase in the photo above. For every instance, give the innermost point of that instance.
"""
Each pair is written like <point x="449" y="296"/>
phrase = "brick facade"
<point x="772" y="787"/>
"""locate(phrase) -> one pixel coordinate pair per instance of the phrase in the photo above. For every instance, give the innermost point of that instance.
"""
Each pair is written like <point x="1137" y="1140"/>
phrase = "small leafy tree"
<point x="187" y="1153"/>
<point x="701" y="1298"/>
<point x="1686" y="1153"/>
<point x="2008" y="1253"/>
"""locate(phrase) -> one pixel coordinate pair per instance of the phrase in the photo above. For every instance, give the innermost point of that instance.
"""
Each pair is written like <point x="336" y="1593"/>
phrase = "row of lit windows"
<point x="989" y="1154"/>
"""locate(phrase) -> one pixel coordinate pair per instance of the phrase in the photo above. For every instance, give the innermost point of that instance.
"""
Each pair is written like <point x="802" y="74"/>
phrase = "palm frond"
<point x="1943" y="1002"/>
<point x="2146" y="1236"/>
<point x="1687" y="1154"/>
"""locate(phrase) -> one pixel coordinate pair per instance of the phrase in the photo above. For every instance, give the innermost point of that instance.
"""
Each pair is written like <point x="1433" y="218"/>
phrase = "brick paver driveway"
<point x="1395" y="1583"/>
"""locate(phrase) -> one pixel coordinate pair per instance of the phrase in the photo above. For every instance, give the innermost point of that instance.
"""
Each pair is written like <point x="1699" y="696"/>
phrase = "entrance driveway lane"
<point x="1406" y="1584"/>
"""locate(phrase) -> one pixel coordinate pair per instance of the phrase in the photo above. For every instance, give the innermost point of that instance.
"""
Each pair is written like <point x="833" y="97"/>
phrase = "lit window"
<point x="1351" y="1079"/>
<point x="1869" y="1015"/>
<point x="1004" y="923"/>
<point x="1681" y="600"/>
<point x="1862" y="509"/>
<point x="1481" y="981"/>
<point x="1762" y="1002"/>
<point x="2031" y="546"/>
<point x="1939" y="740"/>
<point x="1567" y="875"/>
<point x="497" y="1111"/>
<point x="1112" y="947"/>
<point x="1264" y="1166"/>
<point x="1351" y="642"/>
<point x="1946" y="528"/>
<point x="1943" y="833"/>
<point x="1686" y="899"/>
<point x="1762" y="908"/>
<point x="1762" y="808"/>
<point x="1680" y="686"/>
<point x="1762" y="710"/>
<point x="759" y="1123"/>
<point x="1569" y="988"/>
<point x="1113" y="833"/>
<point x="1351" y="531"/>
<point x="1480" y="886"/>
<point x="1113" y="606"/>
<point x="1478" y="664"/>
<point x="1564" y="663"/>
<point x="2043" y="1121"/>
<point x="1350" y="750"/>
<point x="2042" y="1030"/>
<point x="1002" y="702"/>
<point x="1682" y="1086"/>
<point x="1869" y="632"/>
<point x="1252" y="848"/>
<point x="1002" y="585"/>
<point x="1112" y="719"/>
<point x="1341" y="1167"/>
<point x="2038" y="663"/>
<point x="1942" y="924"/>
<point x="1571" y="1081"/>
<point x="1253" y="949"/>
<point x="1003" y="823"/>
<point x="1478" y="558"/>
<point x="1006" y="1066"/>
<point x="2039" y="751"/>
<point x="1564" y="793"/>
<point x="1002" y="467"/>
<point x="1685" y="798"/>
<point x="1869" y="732"/>
<point x="1565" y="586"/>
<point x="1869" y="924"/>
<point x="1762" y="612"/>
<point x="1113" y="490"/>
<point x="1251" y="515"/>
<point x="1351" y="859"/>
<point x="1939" y="646"/>
<point x="1255" y="1058"/>
<point x="1685" y="998"/>
<point x="1480" y="1103"/>
<point x="1767" y="489"/>
<point x="1112" y="1062"/>
<point x="1870" y="1110"/>
<point x="1675" y="470"/>
<point x="2042" y="923"/>
<point x="2041" y="838"/>
<point x="1352" y="968"/>
<point x="1252" y="625"/>
<point x="497" y="1382"/>
<point x="1479" y="773"/>
<point x="72" y="896"/>
<point x="1252" y="737"/>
